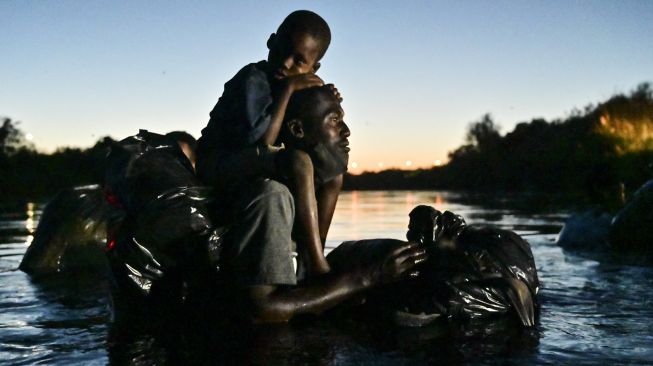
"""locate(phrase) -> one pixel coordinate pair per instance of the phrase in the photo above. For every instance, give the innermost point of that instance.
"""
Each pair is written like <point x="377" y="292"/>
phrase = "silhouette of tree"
<point x="643" y="91"/>
<point x="591" y="149"/>
<point x="28" y="174"/>
<point x="11" y="138"/>
<point x="483" y="134"/>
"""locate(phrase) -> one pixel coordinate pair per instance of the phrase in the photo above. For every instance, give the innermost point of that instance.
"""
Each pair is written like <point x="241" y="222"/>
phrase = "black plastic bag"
<point x="166" y="243"/>
<point x="472" y="272"/>
<point x="71" y="234"/>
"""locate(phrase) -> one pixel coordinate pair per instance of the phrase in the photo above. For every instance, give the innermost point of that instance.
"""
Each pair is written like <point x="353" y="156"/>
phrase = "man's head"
<point x="298" y="45"/>
<point x="187" y="144"/>
<point x="314" y="123"/>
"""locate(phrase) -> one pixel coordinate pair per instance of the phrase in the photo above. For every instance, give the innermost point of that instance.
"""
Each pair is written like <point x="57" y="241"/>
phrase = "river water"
<point x="594" y="310"/>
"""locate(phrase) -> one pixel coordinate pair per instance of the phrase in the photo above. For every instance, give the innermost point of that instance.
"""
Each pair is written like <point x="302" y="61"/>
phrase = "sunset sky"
<point x="413" y="74"/>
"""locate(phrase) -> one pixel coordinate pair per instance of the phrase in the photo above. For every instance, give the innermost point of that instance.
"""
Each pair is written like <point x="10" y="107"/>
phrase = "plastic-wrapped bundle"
<point x="586" y="231"/>
<point x="631" y="230"/>
<point x="72" y="233"/>
<point x="166" y="241"/>
<point x="144" y="166"/>
<point x="472" y="272"/>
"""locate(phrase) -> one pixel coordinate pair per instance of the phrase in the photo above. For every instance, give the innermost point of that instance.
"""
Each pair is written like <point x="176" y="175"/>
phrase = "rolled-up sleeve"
<point x="242" y="114"/>
<point x="257" y="98"/>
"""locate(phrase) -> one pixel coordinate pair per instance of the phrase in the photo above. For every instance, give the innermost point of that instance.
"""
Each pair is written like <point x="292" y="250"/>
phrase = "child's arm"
<point x="327" y="197"/>
<point x="291" y="85"/>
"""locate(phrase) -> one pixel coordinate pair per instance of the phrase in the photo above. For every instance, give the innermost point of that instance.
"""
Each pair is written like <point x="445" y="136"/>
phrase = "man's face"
<point x="327" y="136"/>
<point x="293" y="54"/>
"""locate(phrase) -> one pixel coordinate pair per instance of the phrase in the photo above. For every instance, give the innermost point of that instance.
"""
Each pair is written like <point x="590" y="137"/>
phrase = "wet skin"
<point x="317" y="155"/>
<point x="323" y="134"/>
<point x="292" y="62"/>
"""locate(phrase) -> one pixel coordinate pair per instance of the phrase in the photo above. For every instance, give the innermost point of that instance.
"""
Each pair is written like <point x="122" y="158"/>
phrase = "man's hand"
<point x="397" y="264"/>
<point x="302" y="81"/>
<point x="335" y="92"/>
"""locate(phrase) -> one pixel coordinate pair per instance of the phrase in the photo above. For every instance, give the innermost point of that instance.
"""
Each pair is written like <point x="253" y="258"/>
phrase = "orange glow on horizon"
<point x="360" y="166"/>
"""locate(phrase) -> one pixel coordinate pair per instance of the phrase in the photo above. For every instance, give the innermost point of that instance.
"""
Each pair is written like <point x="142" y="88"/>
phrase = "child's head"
<point x="298" y="45"/>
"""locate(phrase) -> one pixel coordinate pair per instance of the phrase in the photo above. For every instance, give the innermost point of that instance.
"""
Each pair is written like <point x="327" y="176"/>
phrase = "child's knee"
<point x="298" y="161"/>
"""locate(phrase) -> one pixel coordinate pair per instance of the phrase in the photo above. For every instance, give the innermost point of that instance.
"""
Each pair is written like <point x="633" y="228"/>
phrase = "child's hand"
<point x="303" y="81"/>
<point x="335" y="92"/>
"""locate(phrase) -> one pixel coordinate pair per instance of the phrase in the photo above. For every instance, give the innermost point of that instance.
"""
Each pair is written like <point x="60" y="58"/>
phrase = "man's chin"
<point x="345" y="161"/>
<point x="328" y="164"/>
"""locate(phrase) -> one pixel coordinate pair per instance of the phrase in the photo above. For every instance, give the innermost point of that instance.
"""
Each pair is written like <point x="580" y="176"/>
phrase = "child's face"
<point x="293" y="54"/>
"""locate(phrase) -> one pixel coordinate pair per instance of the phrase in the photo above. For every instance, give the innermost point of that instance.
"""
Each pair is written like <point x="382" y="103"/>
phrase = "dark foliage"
<point x="586" y="154"/>
<point x="26" y="174"/>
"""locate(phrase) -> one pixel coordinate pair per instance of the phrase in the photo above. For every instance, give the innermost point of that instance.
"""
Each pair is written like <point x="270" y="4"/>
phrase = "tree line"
<point x="586" y="154"/>
<point x="26" y="174"/>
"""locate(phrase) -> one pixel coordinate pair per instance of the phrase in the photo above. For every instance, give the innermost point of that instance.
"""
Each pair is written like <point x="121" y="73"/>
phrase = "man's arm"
<point x="274" y="304"/>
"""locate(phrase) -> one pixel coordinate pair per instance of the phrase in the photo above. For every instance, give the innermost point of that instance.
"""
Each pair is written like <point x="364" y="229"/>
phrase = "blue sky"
<point x="414" y="74"/>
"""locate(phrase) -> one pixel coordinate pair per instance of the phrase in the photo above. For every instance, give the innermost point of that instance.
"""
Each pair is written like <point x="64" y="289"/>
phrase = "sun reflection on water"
<point x="439" y="202"/>
<point x="379" y="214"/>
<point x="410" y="202"/>
<point x="29" y="223"/>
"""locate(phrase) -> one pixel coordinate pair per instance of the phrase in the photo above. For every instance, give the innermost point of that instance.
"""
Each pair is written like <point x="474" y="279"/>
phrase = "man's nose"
<point x="344" y="130"/>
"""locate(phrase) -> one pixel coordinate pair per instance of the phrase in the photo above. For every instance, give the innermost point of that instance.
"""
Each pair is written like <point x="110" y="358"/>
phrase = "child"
<point x="237" y="145"/>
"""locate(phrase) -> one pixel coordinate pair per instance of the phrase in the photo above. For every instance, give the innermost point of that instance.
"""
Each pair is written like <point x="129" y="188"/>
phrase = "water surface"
<point x="594" y="311"/>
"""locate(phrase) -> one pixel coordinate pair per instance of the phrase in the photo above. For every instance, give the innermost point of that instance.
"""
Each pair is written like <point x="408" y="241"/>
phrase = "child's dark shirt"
<point x="242" y="114"/>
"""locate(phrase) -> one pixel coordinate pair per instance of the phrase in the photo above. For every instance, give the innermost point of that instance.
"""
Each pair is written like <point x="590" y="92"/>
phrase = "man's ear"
<point x="271" y="40"/>
<point x="296" y="128"/>
<point x="316" y="66"/>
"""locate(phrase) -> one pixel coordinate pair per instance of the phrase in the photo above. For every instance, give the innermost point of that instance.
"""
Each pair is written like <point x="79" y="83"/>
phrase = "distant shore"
<point x="584" y="158"/>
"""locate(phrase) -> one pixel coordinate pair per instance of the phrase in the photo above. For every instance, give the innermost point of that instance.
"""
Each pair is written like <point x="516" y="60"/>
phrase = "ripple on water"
<point x="593" y="311"/>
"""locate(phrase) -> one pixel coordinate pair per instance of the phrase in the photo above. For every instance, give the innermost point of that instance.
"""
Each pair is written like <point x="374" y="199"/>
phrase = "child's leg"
<point x="296" y="165"/>
<point x="327" y="197"/>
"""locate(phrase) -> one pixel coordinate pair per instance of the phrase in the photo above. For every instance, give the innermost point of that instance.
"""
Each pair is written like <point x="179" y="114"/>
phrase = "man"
<point x="258" y="271"/>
